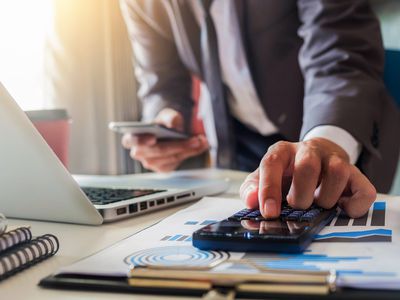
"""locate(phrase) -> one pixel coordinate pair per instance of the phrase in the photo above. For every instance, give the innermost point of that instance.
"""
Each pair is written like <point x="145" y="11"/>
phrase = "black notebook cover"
<point x="120" y="285"/>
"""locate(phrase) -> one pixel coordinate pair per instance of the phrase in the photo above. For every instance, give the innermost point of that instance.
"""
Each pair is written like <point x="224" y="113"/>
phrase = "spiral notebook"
<point x="14" y="237"/>
<point x="3" y="224"/>
<point x="19" y="250"/>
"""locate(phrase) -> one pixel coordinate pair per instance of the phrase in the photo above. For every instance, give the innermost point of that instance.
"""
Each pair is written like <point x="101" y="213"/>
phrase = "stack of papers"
<point x="364" y="252"/>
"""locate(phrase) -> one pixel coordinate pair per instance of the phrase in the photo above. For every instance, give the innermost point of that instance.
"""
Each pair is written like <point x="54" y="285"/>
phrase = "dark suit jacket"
<point x="313" y="62"/>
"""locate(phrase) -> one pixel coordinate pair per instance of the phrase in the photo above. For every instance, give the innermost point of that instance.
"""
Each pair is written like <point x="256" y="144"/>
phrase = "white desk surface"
<point x="78" y="241"/>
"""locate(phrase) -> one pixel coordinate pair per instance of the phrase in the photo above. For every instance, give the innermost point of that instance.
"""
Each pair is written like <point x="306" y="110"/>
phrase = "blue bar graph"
<point x="373" y="235"/>
<point x="177" y="238"/>
<point x="374" y="218"/>
<point x="377" y="217"/>
<point x="203" y="223"/>
<point x="208" y="222"/>
<point x="378" y="214"/>
<point x="191" y="223"/>
<point x="301" y="261"/>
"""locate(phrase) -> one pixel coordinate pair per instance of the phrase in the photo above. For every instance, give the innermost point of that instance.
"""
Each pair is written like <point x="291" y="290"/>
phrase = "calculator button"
<point x="254" y="214"/>
<point x="310" y="215"/>
<point x="285" y="212"/>
<point x="240" y="214"/>
<point x="295" y="215"/>
<point x="314" y="212"/>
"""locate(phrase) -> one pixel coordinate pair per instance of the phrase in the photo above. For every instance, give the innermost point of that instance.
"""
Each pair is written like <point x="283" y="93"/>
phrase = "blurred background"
<point x="75" y="54"/>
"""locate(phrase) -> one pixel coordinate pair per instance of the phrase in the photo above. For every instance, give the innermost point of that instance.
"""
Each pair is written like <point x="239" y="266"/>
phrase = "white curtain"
<point x="89" y="72"/>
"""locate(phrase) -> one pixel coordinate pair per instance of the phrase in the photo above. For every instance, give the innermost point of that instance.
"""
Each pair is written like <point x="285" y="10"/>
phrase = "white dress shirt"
<point x="243" y="101"/>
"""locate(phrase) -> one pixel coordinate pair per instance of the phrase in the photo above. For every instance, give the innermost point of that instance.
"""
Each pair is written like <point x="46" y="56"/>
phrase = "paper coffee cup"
<point x="54" y="126"/>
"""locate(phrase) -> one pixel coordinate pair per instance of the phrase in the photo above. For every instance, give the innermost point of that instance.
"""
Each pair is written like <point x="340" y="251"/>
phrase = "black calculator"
<point x="247" y="231"/>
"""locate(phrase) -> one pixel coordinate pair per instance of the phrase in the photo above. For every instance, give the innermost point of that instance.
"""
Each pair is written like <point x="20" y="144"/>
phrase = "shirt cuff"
<point x="338" y="136"/>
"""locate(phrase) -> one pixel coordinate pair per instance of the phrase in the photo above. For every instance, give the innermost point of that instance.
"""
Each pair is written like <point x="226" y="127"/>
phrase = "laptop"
<point x="35" y="185"/>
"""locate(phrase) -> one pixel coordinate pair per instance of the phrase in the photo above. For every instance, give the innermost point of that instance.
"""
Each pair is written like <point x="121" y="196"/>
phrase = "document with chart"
<point x="363" y="252"/>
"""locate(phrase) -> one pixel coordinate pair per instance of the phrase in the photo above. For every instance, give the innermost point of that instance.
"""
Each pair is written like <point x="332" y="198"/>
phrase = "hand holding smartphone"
<point x="138" y="128"/>
<point x="160" y="146"/>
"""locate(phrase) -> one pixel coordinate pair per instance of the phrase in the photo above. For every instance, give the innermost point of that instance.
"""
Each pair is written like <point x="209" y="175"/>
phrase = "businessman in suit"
<point x="295" y="93"/>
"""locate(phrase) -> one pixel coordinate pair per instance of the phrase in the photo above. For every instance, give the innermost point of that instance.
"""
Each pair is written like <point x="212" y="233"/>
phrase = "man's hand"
<point x="316" y="170"/>
<point x="164" y="156"/>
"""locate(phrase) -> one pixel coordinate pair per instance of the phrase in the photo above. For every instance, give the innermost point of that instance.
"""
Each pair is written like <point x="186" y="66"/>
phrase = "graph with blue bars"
<point x="368" y="228"/>
<point x="373" y="222"/>
<point x="314" y="262"/>
<point x="203" y="223"/>
<point x="177" y="238"/>
<point x="186" y="238"/>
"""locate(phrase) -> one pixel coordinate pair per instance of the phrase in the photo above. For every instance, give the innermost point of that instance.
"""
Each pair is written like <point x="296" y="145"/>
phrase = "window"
<point x="24" y="25"/>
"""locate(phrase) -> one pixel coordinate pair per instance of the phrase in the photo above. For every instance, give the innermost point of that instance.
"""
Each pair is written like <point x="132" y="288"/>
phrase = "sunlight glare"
<point x="24" y="25"/>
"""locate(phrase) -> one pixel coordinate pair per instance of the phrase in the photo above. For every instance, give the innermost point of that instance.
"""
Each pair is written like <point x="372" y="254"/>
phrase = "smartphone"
<point x="137" y="128"/>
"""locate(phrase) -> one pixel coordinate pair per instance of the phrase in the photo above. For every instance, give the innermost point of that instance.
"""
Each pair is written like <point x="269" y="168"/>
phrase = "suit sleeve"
<point x="164" y="81"/>
<point x="342" y="62"/>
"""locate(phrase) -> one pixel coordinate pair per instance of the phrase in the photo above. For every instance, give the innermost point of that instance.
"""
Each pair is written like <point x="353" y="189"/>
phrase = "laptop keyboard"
<point x="102" y="196"/>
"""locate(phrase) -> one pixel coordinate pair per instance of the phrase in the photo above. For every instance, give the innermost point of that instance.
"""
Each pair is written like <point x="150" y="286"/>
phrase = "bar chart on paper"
<point x="343" y="265"/>
<point x="179" y="237"/>
<point x="369" y="228"/>
<point x="357" y="264"/>
<point x="372" y="227"/>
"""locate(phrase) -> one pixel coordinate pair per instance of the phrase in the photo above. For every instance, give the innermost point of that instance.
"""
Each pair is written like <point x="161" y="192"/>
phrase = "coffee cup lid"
<point x="47" y="115"/>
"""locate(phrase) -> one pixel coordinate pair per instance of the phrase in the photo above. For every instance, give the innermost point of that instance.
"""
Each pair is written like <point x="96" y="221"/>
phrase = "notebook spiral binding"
<point x="27" y="254"/>
<point x="3" y="224"/>
<point x="14" y="237"/>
